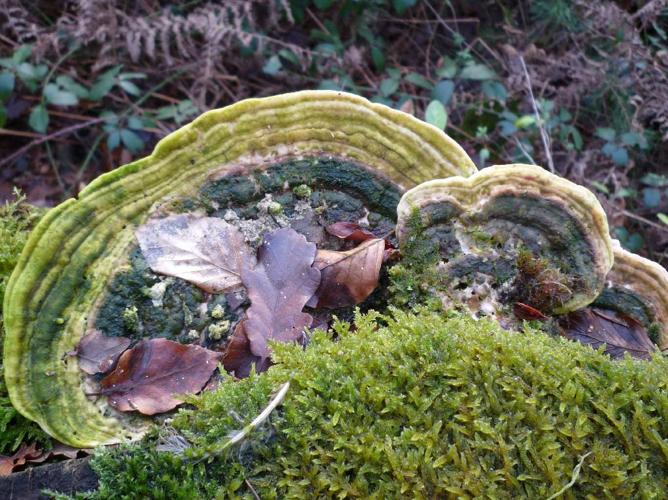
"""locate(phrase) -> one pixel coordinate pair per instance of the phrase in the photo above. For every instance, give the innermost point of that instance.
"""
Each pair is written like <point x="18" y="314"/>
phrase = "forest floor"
<point x="578" y="87"/>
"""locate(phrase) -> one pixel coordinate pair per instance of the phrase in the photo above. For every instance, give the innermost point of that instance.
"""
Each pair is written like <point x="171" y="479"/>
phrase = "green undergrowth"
<point x="16" y="220"/>
<point x="422" y="404"/>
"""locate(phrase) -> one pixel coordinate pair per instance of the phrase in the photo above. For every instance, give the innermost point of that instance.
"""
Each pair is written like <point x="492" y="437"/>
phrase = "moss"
<point x="16" y="220"/>
<point x="430" y="405"/>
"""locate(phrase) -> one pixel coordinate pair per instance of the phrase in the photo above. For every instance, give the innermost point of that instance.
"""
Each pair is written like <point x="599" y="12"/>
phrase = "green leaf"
<point x="600" y="186"/>
<point x="436" y="114"/>
<point x="39" y="119"/>
<point x="3" y="115"/>
<point x="605" y="133"/>
<point x="662" y="217"/>
<point x="22" y="53"/>
<point x="130" y="87"/>
<point x="322" y="4"/>
<point x="69" y="84"/>
<point x="653" y="179"/>
<point x="329" y="85"/>
<point x="131" y="76"/>
<point x="290" y="57"/>
<point x="418" y="80"/>
<point x="495" y="90"/>
<point x="401" y="6"/>
<point x="113" y="140"/>
<point x="378" y="58"/>
<point x="525" y="121"/>
<point x="104" y="84"/>
<point x="389" y="86"/>
<point x="55" y="95"/>
<point x="136" y="123"/>
<point x="7" y="82"/>
<point x="477" y="72"/>
<point x="443" y="91"/>
<point x="634" y="242"/>
<point x="272" y="66"/>
<point x="131" y="141"/>
<point x="651" y="197"/>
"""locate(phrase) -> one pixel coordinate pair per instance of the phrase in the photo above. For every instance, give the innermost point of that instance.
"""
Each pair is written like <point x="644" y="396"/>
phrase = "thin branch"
<point x="639" y="218"/>
<point x="543" y="133"/>
<point x="45" y="138"/>
<point x="574" y="478"/>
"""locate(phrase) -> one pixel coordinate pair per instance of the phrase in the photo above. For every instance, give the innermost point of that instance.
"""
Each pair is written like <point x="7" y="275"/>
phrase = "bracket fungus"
<point x="638" y="288"/>
<point x="509" y="234"/>
<point x="287" y="158"/>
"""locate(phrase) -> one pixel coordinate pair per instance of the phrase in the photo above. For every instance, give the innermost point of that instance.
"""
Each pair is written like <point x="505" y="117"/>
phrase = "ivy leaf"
<point x="205" y="251"/>
<point x="601" y="327"/>
<point x="279" y="286"/>
<point x="348" y="277"/>
<point x="152" y="376"/>
<point x="98" y="353"/>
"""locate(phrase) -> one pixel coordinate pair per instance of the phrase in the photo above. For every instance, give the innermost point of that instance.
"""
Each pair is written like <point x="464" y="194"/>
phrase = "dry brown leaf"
<point x="98" y="353"/>
<point x="24" y="454"/>
<point x="278" y="287"/>
<point x="348" y="277"/>
<point x="151" y="377"/>
<point x="619" y="333"/>
<point x="205" y="251"/>
<point x="238" y="357"/>
<point x="350" y="231"/>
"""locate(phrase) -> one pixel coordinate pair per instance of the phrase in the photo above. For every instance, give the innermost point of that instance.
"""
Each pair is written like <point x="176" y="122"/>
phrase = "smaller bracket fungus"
<point x="506" y="235"/>
<point x="638" y="288"/>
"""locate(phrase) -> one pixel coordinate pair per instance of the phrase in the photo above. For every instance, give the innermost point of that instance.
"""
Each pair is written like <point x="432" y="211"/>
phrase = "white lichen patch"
<point x="157" y="292"/>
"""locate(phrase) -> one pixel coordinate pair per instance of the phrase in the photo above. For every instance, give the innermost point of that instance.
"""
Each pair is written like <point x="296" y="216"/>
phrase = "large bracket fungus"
<point x="508" y="234"/>
<point x="82" y="269"/>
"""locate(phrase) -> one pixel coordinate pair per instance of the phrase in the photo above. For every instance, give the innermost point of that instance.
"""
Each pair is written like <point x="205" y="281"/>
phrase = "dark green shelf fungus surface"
<point x="70" y="261"/>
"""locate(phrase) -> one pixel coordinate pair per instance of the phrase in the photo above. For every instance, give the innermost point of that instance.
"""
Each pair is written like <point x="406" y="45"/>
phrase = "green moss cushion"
<point x="423" y="407"/>
<point x="71" y="256"/>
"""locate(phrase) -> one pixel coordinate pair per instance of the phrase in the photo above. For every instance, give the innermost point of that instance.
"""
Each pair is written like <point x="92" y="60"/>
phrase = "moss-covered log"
<point x="70" y="257"/>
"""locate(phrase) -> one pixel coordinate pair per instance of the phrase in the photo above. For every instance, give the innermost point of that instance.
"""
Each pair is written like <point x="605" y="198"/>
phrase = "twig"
<point x="524" y="151"/>
<point x="255" y="495"/>
<point x="644" y="220"/>
<point x="543" y="133"/>
<point x="18" y="133"/>
<point x="53" y="135"/>
<point x="576" y="474"/>
<point x="648" y="7"/>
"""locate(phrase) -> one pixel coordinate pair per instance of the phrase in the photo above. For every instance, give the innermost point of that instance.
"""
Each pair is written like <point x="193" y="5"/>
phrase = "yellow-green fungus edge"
<point x="472" y="193"/>
<point x="72" y="253"/>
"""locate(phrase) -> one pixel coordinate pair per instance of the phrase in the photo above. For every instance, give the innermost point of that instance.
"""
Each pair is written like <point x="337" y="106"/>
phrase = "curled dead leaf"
<point x="205" y="251"/>
<point x="151" y="377"/>
<point x="348" y="277"/>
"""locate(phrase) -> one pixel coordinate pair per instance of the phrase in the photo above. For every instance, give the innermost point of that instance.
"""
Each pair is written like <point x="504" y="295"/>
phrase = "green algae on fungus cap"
<point x="638" y="288"/>
<point x="72" y="256"/>
<point x="510" y="233"/>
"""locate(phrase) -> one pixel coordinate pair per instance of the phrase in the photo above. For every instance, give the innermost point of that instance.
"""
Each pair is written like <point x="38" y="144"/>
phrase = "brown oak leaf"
<point x="24" y="454"/>
<point x="205" y="251"/>
<point x="98" y="353"/>
<point x="280" y="284"/>
<point x="348" y="277"/>
<point x="151" y="377"/>
<point x="619" y="333"/>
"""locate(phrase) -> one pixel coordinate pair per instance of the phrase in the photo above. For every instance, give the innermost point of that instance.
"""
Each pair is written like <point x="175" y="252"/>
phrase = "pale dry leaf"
<point x="205" y="251"/>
